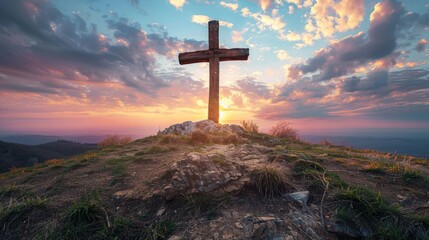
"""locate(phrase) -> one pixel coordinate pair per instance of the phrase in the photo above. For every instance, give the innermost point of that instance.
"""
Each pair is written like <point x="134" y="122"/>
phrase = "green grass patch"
<point x="142" y="160"/>
<point x="155" y="149"/>
<point x="316" y="175"/>
<point x="368" y="215"/>
<point x="84" y="217"/>
<point x="412" y="175"/>
<point x="13" y="217"/>
<point x="117" y="166"/>
<point x="200" y="204"/>
<point x="305" y="166"/>
<point x="159" y="229"/>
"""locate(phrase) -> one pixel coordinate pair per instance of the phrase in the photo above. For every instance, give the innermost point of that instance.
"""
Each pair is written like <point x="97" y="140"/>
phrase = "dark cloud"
<point x="373" y="81"/>
<point x="304" y="88"/>
<point x="38" y="40"/>
<point x="421" y="45"/>
<point x="342" y="57"/>
<point x="249" y="86"/>
<point x="15" y="87"/>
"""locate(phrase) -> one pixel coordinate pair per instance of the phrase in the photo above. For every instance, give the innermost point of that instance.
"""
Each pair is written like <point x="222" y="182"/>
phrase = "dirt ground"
<point x="130" y="180"/>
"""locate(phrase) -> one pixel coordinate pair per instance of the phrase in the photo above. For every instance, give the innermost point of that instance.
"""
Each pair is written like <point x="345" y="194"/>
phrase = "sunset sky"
<point x="108" y="66"/>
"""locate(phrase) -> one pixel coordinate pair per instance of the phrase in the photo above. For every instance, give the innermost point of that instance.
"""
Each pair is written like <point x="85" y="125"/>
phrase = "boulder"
<point x="205" y="174"/>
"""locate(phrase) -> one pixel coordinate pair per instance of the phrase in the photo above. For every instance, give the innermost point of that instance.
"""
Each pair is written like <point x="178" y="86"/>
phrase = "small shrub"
<point x="267" y="181"/>
<point x="284" y="130"/>
<point x="250" y="126"/>
<point x="114" y="141"/>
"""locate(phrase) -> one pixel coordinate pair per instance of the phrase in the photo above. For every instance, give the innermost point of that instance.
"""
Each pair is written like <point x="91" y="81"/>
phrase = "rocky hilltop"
<point x="201" y="180"/>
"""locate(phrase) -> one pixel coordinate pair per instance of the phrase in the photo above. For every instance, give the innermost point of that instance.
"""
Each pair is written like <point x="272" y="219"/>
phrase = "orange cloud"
<point x="265" y="4"/>
<point x="203" y="20"/>
<point x="177" y="3"/>
<point x="330" y="16"/>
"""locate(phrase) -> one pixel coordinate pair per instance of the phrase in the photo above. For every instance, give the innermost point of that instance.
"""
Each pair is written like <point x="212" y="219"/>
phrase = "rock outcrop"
<point x="206" y="126"/>
<point x="205" y="174"/>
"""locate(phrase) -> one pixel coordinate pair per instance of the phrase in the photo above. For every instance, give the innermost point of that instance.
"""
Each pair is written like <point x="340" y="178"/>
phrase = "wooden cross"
<point x="213" y="55"/>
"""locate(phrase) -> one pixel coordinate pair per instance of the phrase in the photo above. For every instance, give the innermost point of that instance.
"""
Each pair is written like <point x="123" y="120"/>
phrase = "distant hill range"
<point x="41" y="139"/>
<point x="20" y="155"/>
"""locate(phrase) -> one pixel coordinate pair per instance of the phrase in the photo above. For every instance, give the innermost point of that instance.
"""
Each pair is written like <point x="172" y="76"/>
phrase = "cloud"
<point x="237" y="36"/>
<point x="291" y="9"/>
<point x="421" y="45"/>
<point x="45" y="51"/>
<point x="203" y="20"/>
<point x="343" y="56"/>
<point x="282" y="55"/>
<point x="353" y="77"/>
<point x="177" y="3"/>
<point x="330" y="16"/>
<point x="264" y="4"/>
<point x="253" y="88"/>
<point x="200" y="19"/>
<point x="379" y="95"/>
<point x="301" y="3"/>
<point x="232" y="6"/>
<point x="374" y="81"/>
<point x="264" y="21"/>
<point x="291" y="36"/>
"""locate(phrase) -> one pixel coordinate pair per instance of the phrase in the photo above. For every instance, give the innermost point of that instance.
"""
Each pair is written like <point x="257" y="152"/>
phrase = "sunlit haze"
<point x="329" y="67"/>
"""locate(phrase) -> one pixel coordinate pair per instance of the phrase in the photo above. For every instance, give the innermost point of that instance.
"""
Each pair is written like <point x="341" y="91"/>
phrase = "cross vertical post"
<point x="214" y="55"/>
<point x="213" y="111"/>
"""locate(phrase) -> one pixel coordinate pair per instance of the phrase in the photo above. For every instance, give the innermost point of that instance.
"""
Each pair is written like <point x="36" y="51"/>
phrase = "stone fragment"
<point x="264" y="227"/>
<point x="160" y="211"/>
<point x="301" y="197"/>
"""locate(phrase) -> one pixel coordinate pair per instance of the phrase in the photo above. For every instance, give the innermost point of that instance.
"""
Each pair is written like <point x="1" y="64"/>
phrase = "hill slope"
<point x="20" y="155"/>
<point x="233" y="185"/>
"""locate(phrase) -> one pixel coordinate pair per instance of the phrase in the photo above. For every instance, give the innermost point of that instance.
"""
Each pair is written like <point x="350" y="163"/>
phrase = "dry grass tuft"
<point x="249" y="126"/>
<point x="199" y="137"/>
<point x="284" y="130"/>
<point x="267" y="181"/>
<point x="114" y="141"/>
<point x="171" y="139"/>
<point x="54" y="162"/>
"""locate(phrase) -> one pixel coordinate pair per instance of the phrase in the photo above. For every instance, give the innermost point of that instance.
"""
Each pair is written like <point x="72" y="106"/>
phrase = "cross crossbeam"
<point x="214" y="55"/>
